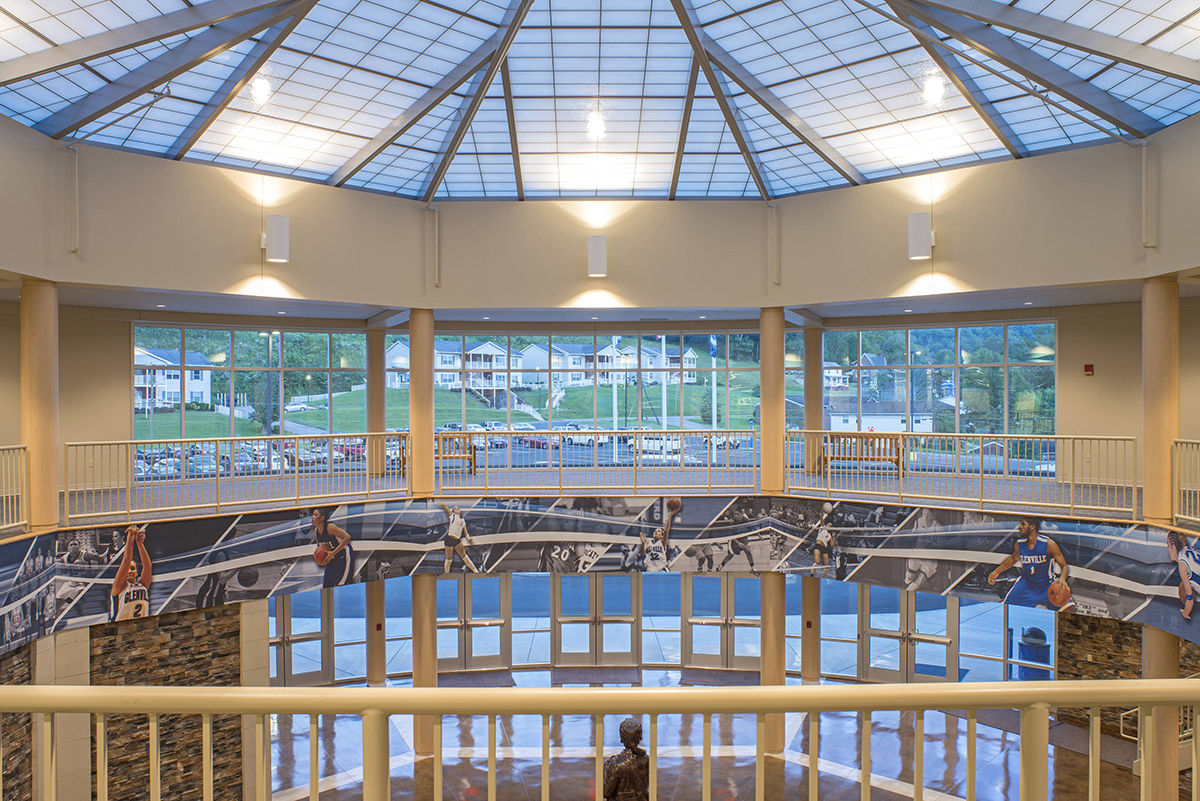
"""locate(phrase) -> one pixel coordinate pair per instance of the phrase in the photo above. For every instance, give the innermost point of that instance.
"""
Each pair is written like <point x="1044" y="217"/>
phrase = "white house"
<point x="484" y="362"/>
<point x="652" y="359"/>
<point x="573" y="364"/>
<point x="158" y="379"/>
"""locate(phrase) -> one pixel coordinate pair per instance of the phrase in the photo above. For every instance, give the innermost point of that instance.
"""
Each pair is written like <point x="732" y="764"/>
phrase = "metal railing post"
<point x="1071" y="472"/>
<point x="375" y="756"/>
<point x="1035" y="746"/>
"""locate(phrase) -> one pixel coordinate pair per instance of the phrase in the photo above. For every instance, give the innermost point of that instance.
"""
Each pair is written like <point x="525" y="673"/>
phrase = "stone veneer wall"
<point x="16" y="668"/>
<point x="200" y="648"/>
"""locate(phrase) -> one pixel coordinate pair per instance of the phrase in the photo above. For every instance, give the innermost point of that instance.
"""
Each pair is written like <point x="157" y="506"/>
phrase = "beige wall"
<point x="1064" y="218"/>
<point x="1110" y="401"/>
<point x="95" y="378"/>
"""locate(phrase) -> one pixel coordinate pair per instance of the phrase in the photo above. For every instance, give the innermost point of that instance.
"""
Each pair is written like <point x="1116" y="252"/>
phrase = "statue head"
<point x="631" y="732"/>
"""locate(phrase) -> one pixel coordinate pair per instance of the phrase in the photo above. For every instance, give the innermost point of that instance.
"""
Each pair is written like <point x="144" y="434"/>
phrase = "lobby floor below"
<point x="680" y="739"/>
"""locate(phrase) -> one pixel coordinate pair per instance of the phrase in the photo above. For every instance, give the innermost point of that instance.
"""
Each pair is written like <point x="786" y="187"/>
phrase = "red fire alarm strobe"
<point x="1087" y="369"/>
<point x="379" y="627"/>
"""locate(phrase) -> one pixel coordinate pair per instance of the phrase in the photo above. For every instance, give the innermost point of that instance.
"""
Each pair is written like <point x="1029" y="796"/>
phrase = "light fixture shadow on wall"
<point x="921" y="238"/>
<point x="276" y="240"/>
<point x="597" y="256"/>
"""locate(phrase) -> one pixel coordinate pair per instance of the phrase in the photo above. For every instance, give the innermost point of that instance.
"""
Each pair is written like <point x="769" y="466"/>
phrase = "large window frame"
<point x="874" y="377"/>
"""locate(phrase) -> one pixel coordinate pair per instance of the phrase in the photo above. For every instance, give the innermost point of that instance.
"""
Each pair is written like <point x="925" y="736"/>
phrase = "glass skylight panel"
<point x="1168" y="100"/>
<point x="1040" y="127"/>
<point x="152" y="129"/>
<point x="939" y="139"/>
<point x="35" y="99"/>
<point x="715" y="175"/>
<point x="1142" y="21"/>
<point x="63" y="21"/>
<point x="483" y="166"/>
<point x="793" y="166"/>
<point x="596" y="174"/>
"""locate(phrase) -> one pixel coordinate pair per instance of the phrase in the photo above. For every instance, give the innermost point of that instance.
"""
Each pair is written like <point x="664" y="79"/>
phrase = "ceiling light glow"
<point x="596" y="127"/>
<point x="934" y="90"/>
<point x="260" y="91"/>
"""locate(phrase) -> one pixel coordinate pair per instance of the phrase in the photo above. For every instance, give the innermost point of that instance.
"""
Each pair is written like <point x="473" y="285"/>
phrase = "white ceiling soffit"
<point x="507" y="99"/>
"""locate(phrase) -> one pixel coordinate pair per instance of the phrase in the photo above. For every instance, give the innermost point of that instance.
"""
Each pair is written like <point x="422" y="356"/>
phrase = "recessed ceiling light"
<point x="908" y="311"/>
<point x="702" y="317"/>
<point x="595" y="318"/>
<point x="487" y="318"/>
<point x="281" y="312"/>
<point x="1029" y="303"/>
<point x="162" y="305"/>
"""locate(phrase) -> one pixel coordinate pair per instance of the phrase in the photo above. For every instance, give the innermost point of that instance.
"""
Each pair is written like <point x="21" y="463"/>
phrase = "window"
<point x="247" y="382"/>
<point x="988" y="379"/>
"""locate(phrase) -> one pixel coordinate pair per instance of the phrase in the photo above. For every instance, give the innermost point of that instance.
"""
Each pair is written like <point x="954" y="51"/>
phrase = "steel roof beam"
<point x="250" y="64"/>
<point x="733" y="119"/>
<point x="511" y="112"/>
<point x="1074" y="36"/>
<point x="413" y="114"/>
<point x="1004" y="49"/>
<point x="128" y="37"/>
<point x="953" y="69"/>
<point x="693" y="77"/>
<point x="162" y="69"/>
<point x="781" y="111"/>
<point x="508" y="32"/>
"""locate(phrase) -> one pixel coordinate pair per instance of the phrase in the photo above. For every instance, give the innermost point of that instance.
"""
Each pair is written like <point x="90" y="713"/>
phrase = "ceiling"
<point x="514" y="99"/>
<point x="162" y="305"/>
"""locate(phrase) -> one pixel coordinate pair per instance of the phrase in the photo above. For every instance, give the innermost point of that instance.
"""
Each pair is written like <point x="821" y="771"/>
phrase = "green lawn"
<point x="199" y="426"/>
<point x="350" y="410"/>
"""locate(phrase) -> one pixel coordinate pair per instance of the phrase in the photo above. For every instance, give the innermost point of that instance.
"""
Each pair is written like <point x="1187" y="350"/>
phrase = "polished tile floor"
<point x="572" y="768"/>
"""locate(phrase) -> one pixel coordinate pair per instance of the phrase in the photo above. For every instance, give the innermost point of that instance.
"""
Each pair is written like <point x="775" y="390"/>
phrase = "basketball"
<point x="248" y="576"/>
<point x="322" y="555"/>
<point x="1058" y="594"/>
<point x="674" y="505"/>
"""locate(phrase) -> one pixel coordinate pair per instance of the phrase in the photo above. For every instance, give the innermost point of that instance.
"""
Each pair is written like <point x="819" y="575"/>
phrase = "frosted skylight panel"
<point x="152" y="129"/>
<point x="1168" y="100"/>
<point x="272" y="145"/>
<point x="403" y="166"/>
<point x="1039" y="127"/>
<point x="715" y="175"/>
<point x="35" y="99"/>
<point x="940" y="139"/>
<point x="317" y="92"/>
<point x="63" y="21"/>
<point x="483" y="166"/>
<point x="792" y="166"/>
<point x="596" y="174"/>
<point x="1142" y="21"/>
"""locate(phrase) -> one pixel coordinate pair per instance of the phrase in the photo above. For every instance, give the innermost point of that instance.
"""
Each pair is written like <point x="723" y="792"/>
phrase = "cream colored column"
<point x="1160" y="393"/>
<point x="425" y="673"/>
<point x="814" y="395"/>
<point x="810" y="635"/>
<point x="376" y="402"/>
<point x="39" y="398"/>
<point x="773" y="647"/>
<point x="772" y="422"/>
<point x="376" y="635"/>
<point x="1160" y="428"/>
<point x="420" y="402"/>
<point x="1159" y="725"/>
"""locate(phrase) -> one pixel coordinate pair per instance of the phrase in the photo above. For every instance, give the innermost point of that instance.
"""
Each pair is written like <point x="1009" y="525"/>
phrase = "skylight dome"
<point x="516" y="99"/>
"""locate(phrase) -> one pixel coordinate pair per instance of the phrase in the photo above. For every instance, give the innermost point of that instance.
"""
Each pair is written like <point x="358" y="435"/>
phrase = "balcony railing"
<point x="597" y="462"/>
<point x="1074" y="474"/>
<point x="14" y="488"/>
<point x="131" y="478"/>
<point x="374" y="707"/>
<point x="1186" y="480"/>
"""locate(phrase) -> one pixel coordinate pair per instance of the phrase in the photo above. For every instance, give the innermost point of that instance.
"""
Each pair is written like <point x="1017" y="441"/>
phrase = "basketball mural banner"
<point x="83" y="576"/>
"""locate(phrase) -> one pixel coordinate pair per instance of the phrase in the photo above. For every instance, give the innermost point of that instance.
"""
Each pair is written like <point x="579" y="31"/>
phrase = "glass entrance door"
<point x="909" y="636"/>
<point x="595" y="620"/>
<point x="299" y="647"/>
<point x="723" y="621"/>
<point x="473" y="630"/>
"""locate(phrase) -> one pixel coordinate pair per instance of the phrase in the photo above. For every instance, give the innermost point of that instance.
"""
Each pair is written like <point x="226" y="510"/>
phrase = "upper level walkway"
<point x="131" y="480"/>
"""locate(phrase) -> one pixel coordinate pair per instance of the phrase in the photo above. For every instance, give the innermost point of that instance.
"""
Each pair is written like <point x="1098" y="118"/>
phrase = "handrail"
<point x="374" y="705"/>
<point x="14" y="487"/>
<point x="595" y="700"/>
<point x="1185" y="480"/>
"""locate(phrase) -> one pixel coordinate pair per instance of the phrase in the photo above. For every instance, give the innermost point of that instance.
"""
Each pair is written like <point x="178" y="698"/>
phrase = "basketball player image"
<point x="77" y="554"/>
<point x="333" y="550"/>
<point x="1187" y="561"/>
<point x="919" y="571"/>
<point x="702" y="552"/>
<point x="457" y="538"/>
<point x="823" y="548"/>
<point x="657" y="550"/>
<point x="737" y="548"/>
<point x="1034" y="552"/>
<point x="130" y="597"/>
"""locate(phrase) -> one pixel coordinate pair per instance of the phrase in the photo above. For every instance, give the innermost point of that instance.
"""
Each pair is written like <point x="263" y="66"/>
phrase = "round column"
<point x="420" y="403"/>
<point x="39" y="398"/>
<point x="772" y="421"/>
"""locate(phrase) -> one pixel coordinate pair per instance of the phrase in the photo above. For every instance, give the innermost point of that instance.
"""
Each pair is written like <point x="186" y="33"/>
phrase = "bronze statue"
<point x="627" y="774"/>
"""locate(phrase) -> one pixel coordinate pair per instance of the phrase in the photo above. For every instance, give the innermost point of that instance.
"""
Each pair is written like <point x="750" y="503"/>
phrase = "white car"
<point x="656" y="443"/>
<point x="296" y="406"/>
<point x="523" y="427"/>
<point x="586" y="438"/>
<point x="723" y="441"/>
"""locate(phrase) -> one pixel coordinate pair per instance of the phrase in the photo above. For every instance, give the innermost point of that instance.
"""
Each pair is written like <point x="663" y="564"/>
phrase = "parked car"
<point x="296" y="406"/>
<point x="141" y="470"/>
<point x="495" y="425"/>
<point x="327" y="455"/>
<point x="165" y="468"/>
<point x="272" y="463"/>
<point x="354" y="450"/>
<point x="452" y="427"/>
<point x="523" y="427"/>
<point x="543" y="439"/>
<point x="582" y="436"/>
<point x="240" y="463"/>
<point x="723" y="441"/>
<point x="203" y="467"/>
<point x="657" y="443"/>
